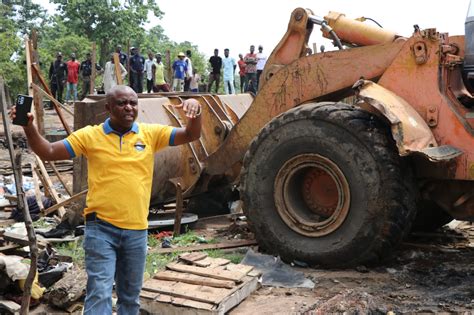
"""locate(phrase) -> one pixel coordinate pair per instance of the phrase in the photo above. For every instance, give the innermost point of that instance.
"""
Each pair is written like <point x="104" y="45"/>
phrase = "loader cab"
<point x="468" y="65"/>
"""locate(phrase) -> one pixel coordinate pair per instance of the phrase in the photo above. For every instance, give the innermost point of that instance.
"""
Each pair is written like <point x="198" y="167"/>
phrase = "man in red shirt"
<point x="72" y="77"/>
<point x="251" y="70"/>
<point x="242" y="64"/>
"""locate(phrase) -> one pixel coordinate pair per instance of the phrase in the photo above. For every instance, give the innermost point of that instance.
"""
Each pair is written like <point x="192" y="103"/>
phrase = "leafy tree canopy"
<point x="73" y="28"/>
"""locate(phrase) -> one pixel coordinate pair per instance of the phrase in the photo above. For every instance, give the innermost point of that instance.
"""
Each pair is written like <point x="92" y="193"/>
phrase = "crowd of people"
<point x="151" y="70"/>
<point x="250" y="69"/>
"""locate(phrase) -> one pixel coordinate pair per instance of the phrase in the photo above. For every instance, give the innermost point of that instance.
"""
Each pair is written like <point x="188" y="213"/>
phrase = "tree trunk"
<point x="104" y="51"/>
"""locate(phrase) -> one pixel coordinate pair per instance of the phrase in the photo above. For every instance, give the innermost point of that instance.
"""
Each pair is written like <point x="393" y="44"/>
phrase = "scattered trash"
<point x="166" y="243"/>
<point x="275" y="272"/>
<point x="50" y="268"/>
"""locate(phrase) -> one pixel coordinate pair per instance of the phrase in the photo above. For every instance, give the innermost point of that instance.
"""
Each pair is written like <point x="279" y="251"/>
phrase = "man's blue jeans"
<point x="113" y="253"/>
<point x="73" y="87"/>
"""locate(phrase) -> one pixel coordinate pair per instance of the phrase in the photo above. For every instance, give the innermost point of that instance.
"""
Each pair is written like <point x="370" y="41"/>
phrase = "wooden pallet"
<point x="198" y="285"/>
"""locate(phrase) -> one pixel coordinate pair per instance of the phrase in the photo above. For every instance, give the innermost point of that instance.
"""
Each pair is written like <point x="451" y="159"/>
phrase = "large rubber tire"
<point x="382" y="196"/>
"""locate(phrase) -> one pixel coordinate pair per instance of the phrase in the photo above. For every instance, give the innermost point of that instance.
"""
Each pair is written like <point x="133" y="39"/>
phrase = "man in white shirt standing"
<point x="261" y="60"/>
<point x="189" y="73"/>
<point x="150" y="72"/>
<point x="229" y="65"/>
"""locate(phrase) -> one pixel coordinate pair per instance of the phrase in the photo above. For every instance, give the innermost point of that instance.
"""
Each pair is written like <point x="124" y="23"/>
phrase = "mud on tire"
<point x="377" y="206"/>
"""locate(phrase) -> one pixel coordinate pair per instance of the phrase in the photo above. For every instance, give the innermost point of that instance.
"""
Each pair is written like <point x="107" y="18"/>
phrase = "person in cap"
<point x="85" y="72"/>
<point x="137" y="68"/>
<point x="57" y="77"/>
<point x="160" y="81"/>
<point x="120" y="160"/>
<point x="72" y="77"/>
<point x="122" y="56"/>
<point x="179" y="73"/>
<point x="261" y="60"/>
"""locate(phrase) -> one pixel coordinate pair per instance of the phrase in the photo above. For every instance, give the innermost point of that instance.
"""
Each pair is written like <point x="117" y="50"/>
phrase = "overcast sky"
<point x="238" y="24"/>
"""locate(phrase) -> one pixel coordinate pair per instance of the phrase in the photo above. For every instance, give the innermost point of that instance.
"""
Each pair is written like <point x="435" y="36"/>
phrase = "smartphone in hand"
<point x="23" y="107"/>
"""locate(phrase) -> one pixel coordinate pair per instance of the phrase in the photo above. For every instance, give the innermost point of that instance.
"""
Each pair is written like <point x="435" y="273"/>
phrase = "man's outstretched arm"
<point x="46" y="150"/>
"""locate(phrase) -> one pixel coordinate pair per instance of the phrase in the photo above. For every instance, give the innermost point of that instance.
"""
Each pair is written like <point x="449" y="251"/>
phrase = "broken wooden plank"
<point x="179" y="210"/>
<point x="190" y="303"/>
<point x="19" y="239"/>
<point x="65" y="202"/>
<point x="56" y="172"/>
<point x="214" y="262"/>
<point x="165" y="304"/>
<point x="241" y="293"/>
<point x="192" y="256"/>
<point x="54" y="193"/>
<point x="148" y="295"/>
<point x="171" y="305"/>
<point x="208" y="272"/>
<point x="118" y="71"/>
<point x="8" y="247"/>
<point x="194" y="259"/>
<point x="193" y="279"/>
<point x="245" y="269"/>
<point x="47" y="191"/>
<point x="10" y="306"/>
<point x="188" y="291"/>
<point x="6" y="222"/>
<point x="230" y="244"/>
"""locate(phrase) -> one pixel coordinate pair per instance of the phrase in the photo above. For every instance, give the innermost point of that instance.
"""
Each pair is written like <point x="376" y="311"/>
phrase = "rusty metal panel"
<point x="409" y="130"/>
<point x="435" y="84"/>
<point x="237" y="103"/>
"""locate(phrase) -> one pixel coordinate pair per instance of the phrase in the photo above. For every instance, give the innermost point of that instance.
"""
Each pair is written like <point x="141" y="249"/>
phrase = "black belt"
<point x="91" y="217"/>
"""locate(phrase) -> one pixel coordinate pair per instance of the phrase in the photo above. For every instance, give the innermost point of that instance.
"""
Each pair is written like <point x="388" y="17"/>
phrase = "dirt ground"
<point x="429" y="273"/>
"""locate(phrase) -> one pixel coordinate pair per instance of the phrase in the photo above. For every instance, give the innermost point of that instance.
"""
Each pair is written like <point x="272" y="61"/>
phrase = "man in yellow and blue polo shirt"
<point x="120" y="155"/>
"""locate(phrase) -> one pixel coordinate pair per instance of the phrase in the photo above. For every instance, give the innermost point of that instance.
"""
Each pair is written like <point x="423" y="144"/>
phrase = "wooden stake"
<point x="94" y="72"/>
<point x="47" y="189"/>
<point x="21" y="205"/>
<point x="179" y="210"/>
<point x="37" y="72"/>
<point x="52" y="99"/>
<point x="168" y="68"/>
<point x="29" y="73"/>
<point x="128" y="60"/>
<point x="65" y="202"/>
<point x="118" y="72"/>
<point x="39" y="112"/>
<point x="58" y="175"/>
<point x="54" y="193"/>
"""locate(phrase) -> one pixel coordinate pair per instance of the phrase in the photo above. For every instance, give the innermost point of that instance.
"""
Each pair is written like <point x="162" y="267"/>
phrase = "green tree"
<point x="107" y="22"/>
<point x="29" y="15"/>
<point x="12" y="68"/>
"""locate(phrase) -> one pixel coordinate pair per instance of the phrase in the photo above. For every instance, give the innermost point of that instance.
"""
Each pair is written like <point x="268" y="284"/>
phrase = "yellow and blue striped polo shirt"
<point x="120" y="169"/>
